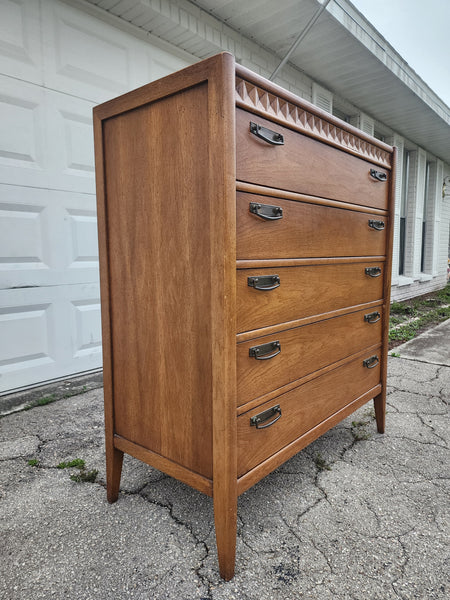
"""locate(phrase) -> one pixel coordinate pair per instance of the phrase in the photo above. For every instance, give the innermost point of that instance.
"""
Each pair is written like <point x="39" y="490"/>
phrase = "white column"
<point x="433" y="218"/>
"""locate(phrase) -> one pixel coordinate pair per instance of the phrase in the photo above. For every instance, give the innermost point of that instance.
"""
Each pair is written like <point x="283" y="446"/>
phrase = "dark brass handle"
<point x="262" y="352"/>
<point x="378" y="225"/>
<point x="372" y="317"/>
<point x="272" y="137"/>
<point x="266" y="211"/>
<point x="267" y="414"/>
<point x="373" y="271"/>
<point x="371" y="362"/>
<point x="265" y="283"/>
<point x="378" y="175"/>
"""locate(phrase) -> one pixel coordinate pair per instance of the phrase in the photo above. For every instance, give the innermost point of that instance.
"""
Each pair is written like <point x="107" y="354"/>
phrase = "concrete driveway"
<point x="356" y="515"/>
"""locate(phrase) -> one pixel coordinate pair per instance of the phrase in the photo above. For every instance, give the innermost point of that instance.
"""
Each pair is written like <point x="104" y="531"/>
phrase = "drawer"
<point x="302" y="409"/>
<point x="300" y="351"/>
<point x="305" y="165"/>
<point x="299" y="230"/>
<point x="303" y="291"/>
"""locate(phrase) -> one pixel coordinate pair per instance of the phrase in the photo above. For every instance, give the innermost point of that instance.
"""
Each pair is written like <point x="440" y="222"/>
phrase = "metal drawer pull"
<point x="378" y="225"/>
<point x="267" y="414"/>
<point x="371" y="362"/>
<point x="262" y="352"/>
<point x="372" y="317"/>
<point x="373" y="271"/>
<point x="266" y="211"/>
<point x="266" y="134"/>
<point x="265" y="283"/>
<point x="378" y="175"/>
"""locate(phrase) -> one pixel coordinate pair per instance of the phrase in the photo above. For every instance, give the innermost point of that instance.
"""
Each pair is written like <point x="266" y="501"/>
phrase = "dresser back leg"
<point x="114" y="459"/>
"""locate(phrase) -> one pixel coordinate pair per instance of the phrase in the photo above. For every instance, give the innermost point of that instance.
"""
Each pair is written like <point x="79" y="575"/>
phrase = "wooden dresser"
<point x="245" y="240"/>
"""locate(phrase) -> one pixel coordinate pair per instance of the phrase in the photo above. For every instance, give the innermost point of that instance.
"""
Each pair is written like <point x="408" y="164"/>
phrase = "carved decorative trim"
<point x="248" y="95"/>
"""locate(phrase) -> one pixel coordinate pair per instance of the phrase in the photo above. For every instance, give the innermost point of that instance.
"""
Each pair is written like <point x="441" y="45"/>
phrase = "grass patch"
<point x="406" y="332"/>
<point x="359" y="431"/>
<point x="397" y="308"/>
<point x="444" y="294"/>
<point x="321" y="463"/>
<point x="415" y="316"/>
<point x="76" y="462"/>
<point x="85" y="476"/>
<point x="33" y="462"/>
<point x="41" y="401"/>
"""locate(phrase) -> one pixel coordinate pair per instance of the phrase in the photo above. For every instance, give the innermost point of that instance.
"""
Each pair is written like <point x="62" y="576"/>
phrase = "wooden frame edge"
<point x="195" y="480"/>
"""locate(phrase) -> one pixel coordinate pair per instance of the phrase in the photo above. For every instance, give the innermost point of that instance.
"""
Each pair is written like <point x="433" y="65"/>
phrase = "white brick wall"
<point x="414" y="282"/>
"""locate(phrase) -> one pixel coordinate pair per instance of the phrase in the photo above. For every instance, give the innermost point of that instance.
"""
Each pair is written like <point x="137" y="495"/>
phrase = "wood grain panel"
<point x="305" y="165"/>
<point x="302" y="409"/>
<point x="303" y="350"/>
<point x="303" y="291"/>
<point x="159" y="249"/>
<point x="305" y="230"/>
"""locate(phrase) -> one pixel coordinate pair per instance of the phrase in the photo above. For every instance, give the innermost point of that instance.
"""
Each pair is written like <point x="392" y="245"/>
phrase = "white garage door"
<point x="56" y="63"/>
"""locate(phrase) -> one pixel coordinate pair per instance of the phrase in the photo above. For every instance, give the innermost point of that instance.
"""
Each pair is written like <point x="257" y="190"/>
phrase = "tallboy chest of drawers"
<point x="245" y="240"/>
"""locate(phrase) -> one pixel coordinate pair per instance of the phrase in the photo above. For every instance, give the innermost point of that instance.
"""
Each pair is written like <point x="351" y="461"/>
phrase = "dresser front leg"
<point x="114" y="460"/>
<point x="379" y="403"/>
<point x="225" y="519"/>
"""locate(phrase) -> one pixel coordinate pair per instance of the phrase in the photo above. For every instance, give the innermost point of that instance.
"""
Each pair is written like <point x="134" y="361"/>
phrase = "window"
<point x="424" y="216"/>
<point x="403" y="211"/>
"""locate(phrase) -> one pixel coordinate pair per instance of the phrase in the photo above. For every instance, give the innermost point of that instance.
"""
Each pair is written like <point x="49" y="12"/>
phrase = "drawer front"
<point x="305" y="165"/>
<point x="302" y="409"/>
<point x="287" y="229"/>
<point x="302" y="350"/>
<point x="303" y="291"/>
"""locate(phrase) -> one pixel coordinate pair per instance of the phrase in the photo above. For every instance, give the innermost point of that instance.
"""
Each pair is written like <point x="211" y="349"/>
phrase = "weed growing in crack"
<point x="359" y="432"/>
<point x="370" y="413"/>
<point x="33" y="462"/>
<point x="321" y="463"/>
<point x="83" y="476"/>
<point x="76" y="462"/>
<point x="41" y="401"/>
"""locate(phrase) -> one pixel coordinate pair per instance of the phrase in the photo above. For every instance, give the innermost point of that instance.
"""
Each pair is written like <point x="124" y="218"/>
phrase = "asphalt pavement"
<point x="355" y="516"/>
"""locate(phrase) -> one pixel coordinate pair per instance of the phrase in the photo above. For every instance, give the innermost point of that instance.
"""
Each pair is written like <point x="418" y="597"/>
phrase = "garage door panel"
<point x="70" y="143"/>
<point x="47" y="237"/>
<point x="83" y="236"/>
<point x="51" y="331"/>
<point x="27" y="330"/>
<point x="160" y="64"/>
<point x="73" y="39"/>
<point x="20" y="42"/>
<point x="21" y="237"/>
<point x="23" y="159"/>
<point x="87" y="327"/>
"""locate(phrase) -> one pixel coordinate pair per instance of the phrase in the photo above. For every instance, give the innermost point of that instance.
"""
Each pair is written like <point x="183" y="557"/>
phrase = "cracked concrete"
<point x="344" y="519"/>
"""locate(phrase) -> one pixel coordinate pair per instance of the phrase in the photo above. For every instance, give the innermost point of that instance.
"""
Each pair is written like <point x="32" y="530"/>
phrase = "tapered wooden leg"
<point x="114" y="460"/>
<point x="379" y="403"/>
<point x="225" y="518"/>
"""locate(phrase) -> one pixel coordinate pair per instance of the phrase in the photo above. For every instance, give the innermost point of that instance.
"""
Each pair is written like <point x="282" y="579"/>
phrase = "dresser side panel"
<point x="158" y="214"/>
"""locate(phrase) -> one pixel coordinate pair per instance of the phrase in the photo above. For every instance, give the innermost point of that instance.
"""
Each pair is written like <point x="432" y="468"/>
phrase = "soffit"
<point x="342" y="52"/>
